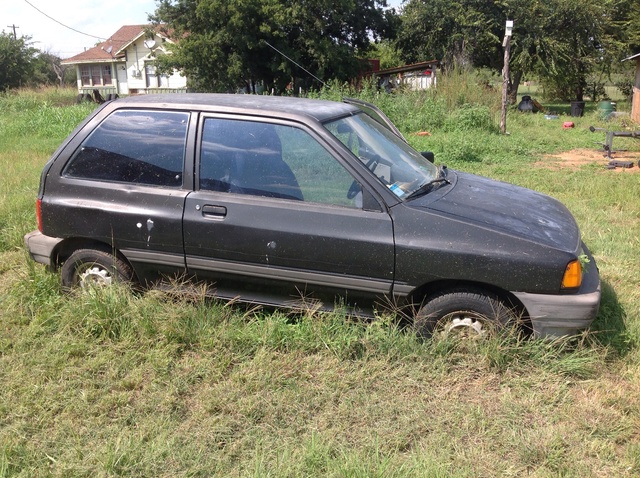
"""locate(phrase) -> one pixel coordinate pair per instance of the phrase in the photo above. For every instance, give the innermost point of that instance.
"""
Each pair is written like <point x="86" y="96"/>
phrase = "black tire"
<point x="87" y="267"/>
<point x="471" y="311"/>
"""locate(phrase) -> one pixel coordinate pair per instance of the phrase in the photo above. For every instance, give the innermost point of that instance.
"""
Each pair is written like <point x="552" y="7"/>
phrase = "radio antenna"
<point x="295" y="63"/>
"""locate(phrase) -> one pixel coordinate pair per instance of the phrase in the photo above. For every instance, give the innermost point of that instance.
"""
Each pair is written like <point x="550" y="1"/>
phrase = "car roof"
<point x="285" y="106"/>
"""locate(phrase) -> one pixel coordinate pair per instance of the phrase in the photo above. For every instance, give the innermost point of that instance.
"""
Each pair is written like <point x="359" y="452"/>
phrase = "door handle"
<point x="214" y="211"/>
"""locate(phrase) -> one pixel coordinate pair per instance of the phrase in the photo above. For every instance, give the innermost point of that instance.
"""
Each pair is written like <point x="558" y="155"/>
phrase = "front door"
<point x="278" y="218"/>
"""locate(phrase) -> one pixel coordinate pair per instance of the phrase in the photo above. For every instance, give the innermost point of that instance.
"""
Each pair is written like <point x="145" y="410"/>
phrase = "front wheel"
<point x="90" y="267"/>
<point x="467" y="312"/>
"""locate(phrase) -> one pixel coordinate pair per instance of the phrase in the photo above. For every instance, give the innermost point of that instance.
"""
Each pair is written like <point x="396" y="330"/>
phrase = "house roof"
<point x="113" y="48"/>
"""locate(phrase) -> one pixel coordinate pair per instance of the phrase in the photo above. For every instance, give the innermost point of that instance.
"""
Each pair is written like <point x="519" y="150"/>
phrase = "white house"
<point x="124" y="64"/>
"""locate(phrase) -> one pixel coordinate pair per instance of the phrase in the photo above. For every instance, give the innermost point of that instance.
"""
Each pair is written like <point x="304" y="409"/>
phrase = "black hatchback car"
<point x="281" y="201"/>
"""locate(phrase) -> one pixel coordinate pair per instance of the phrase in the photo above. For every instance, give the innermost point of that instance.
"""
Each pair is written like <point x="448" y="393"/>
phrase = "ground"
<point x="579" y="157"/>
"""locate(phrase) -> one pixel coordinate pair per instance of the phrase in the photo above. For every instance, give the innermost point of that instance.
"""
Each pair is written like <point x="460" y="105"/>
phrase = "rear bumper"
<point x="41" y="247"/>
<point x="563" y="315"/>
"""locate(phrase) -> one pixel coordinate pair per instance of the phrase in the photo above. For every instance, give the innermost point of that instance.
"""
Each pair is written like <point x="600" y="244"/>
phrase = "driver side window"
<point x="231" y="163"/>
<point x="320" y="176"/>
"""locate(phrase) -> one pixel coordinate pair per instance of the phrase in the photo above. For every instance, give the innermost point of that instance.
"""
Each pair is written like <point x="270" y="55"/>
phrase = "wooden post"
<point x="15" y="37"/>
<point x="506" y="43"/>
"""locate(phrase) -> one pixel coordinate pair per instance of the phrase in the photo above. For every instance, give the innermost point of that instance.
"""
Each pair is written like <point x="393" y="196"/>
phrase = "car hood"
<point x="506" y="208"/>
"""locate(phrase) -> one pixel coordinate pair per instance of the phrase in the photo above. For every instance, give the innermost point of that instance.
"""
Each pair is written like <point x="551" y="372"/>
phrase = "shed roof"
<point x="403" y="69"/>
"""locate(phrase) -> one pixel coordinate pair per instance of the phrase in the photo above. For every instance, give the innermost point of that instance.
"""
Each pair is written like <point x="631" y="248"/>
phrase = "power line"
<point x="60" y="23"/>
<point x="291" y="60"/>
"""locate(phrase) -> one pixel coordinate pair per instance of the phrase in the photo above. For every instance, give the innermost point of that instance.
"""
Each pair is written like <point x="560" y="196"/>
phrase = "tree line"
<point x="22" y="65"/>
<point x="280" y="45"/>
<point x="564" y="43"/>
<point x="275" y="43"/>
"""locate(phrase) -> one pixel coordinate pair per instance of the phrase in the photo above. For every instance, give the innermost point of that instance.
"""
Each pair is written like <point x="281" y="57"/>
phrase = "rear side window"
<point x="141" y="147"/>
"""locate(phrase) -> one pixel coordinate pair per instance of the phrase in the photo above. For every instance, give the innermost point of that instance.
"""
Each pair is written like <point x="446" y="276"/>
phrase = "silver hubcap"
<point x="95" y="276"/>
<point x="464" y="324"/>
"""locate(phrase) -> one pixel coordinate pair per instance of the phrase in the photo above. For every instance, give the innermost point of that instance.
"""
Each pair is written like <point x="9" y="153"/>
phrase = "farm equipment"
<point x="608" y="145"/>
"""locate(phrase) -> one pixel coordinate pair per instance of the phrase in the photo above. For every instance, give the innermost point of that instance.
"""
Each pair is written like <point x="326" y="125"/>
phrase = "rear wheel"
<point x="466" y="312"/>
<point x="91" y="267"/>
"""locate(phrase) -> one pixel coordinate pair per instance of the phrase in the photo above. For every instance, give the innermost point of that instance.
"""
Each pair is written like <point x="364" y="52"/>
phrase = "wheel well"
<point x="69" y="246"/>
<point x="423" y="293"/>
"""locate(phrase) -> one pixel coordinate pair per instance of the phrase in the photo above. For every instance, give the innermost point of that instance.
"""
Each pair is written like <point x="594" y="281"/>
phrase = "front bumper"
<point x="563" y="315"/>
<point x="41" y="247"/>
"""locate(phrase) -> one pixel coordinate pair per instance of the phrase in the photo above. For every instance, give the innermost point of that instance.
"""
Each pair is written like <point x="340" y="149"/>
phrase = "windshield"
<point x="398" y="166"/>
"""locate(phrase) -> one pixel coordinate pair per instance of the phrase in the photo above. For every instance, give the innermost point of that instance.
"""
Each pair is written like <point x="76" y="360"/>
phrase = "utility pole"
<point x="506" y="43"/>
<point x="15" y="37"/>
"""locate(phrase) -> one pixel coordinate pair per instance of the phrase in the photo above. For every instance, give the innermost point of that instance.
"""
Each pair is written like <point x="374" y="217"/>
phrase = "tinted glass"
<point x="261" y="159"/>
<point x="143" y="147"/>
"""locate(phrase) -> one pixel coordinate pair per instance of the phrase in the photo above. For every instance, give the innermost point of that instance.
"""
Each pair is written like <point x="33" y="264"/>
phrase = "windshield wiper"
<point x="426" y="187"/>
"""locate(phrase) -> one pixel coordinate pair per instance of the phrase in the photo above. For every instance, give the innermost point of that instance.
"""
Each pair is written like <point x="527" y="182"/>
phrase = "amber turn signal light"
<point x="572" y="275"/>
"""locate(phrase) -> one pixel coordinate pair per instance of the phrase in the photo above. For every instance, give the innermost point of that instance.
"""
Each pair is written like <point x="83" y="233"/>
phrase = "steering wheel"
<point x="370" y="162"/>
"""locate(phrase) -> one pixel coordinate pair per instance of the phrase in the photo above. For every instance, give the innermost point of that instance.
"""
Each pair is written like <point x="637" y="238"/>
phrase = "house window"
<point x="85" y="75"/>
<point x="95" y="76"/>
<point x="106" y="74"/>
<point x="152" y="78"/>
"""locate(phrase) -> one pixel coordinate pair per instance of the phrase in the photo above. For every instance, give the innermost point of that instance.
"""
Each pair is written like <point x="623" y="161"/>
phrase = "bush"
<point x="471" y="117"/>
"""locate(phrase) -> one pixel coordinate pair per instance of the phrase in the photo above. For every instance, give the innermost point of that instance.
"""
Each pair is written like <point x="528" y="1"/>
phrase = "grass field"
<point x="110" y="383"/>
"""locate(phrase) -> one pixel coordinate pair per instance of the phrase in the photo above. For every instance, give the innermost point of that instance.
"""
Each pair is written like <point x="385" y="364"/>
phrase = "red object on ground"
<point x="567" y="125"/>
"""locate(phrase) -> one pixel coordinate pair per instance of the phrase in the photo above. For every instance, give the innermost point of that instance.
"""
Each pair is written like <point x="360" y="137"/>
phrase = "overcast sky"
<point x="42" y="19"/>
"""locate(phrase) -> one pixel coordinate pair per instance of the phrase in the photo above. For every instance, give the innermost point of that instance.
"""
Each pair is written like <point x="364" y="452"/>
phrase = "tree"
<point x="456" y="33"/>
<point x="48" y="69"/>
<point x="16" y="61"/>
<point x="388" y="54"/>
<point x="561" y="41"/>
<point x="222" y="44"/>
<point x="626" y="23"/>
<point x="564" y="42"/>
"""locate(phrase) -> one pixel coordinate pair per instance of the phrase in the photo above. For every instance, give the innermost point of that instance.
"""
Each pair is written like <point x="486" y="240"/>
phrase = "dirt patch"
<point x="577" y="158"/>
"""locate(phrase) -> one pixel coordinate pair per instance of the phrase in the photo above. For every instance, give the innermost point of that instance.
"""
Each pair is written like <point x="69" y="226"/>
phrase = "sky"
<point x="42" y="19"/>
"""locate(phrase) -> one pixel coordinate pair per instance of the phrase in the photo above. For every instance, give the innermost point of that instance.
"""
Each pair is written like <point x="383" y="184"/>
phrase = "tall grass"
<point x="32" y="125"/>
<point x="116" y="383"/>
<point x="459" y="121"/>
<point x="459" y="102"/>
<point x="42" y="116"/>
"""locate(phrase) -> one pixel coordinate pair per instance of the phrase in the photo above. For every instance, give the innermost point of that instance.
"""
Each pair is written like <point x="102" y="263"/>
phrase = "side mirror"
<point x="428" y="155"/>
